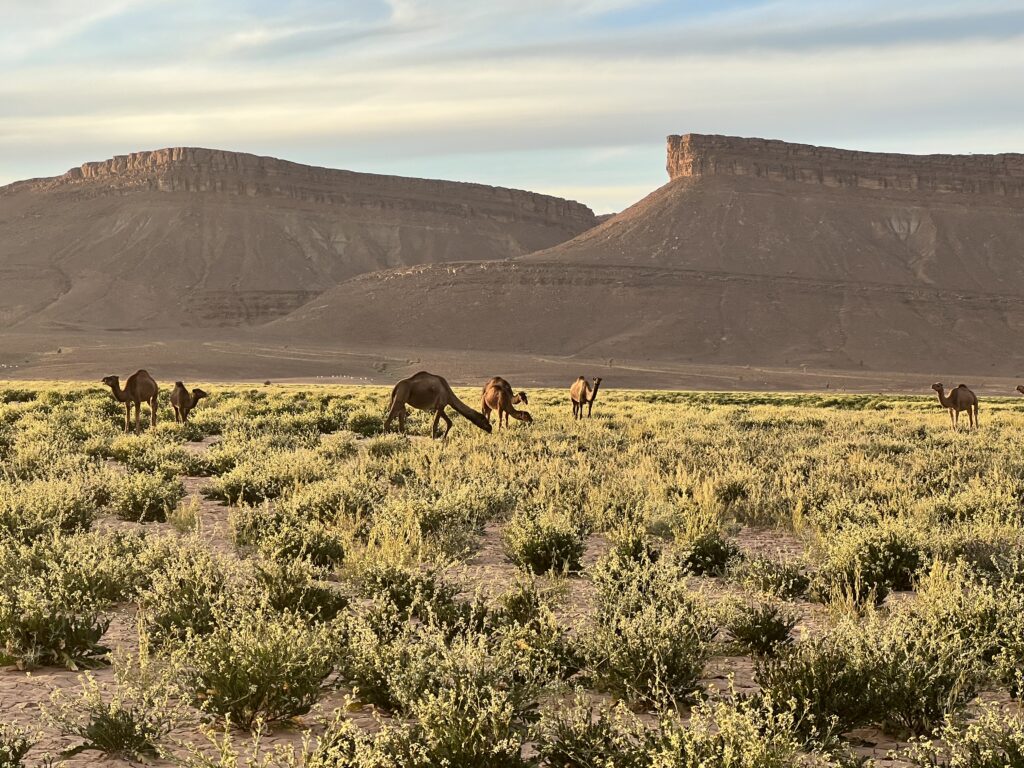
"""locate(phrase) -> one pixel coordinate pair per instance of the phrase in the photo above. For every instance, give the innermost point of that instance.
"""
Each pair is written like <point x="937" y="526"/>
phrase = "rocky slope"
<point x="755" y="252"/>
<point x="197" y="237"/>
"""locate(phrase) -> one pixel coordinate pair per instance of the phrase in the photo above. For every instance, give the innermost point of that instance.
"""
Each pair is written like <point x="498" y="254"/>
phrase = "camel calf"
<point x="497" y="396"/>
<point x="184" y="401"/>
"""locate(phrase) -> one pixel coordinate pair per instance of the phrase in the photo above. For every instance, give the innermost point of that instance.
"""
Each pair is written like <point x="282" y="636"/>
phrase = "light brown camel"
<point x="139" y="388"/>
<point x="959" y="399"/>
<point x="497" y="396"/>
<point x="430" y="393"/>
<point x="583" y="395"/>
<point x="183" y="401"/>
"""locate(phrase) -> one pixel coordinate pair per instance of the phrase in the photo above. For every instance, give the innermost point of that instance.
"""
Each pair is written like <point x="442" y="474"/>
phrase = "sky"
<point x="567" y="97"/>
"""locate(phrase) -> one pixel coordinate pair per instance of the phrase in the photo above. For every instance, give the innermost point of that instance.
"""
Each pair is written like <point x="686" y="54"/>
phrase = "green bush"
<point x="783" y="579"/>
<point x="863" y="564"/>
<point x="365" y="423"/>
<point x="761" y="628"/>
<point x="828" y="680"/>
<point x="541" y="541"/>
<point x="295" y="586"/>
<point x="650" y="638"/>
<point x="43" y="623"/>
<point x="15" y="743"/>
<point x="142" y="498"/>
<point x="31" y="509"/>
<point x="994" y="739"/>
<point x="257" y="666"/>
<point x="268" y="475"/>
<point x="583" y="736"/>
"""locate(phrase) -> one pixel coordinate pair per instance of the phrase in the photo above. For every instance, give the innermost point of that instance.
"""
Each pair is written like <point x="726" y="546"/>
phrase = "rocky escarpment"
<point x="199" y="237"/>
<point x="695" y="155"/>
<point x="192" y="169"/>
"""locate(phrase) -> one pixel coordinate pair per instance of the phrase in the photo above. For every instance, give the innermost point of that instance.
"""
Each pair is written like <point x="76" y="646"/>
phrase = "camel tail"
<point x="391" y="401"/>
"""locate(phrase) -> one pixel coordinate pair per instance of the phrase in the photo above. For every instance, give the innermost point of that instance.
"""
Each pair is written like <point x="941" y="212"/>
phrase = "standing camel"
<point x="184" y="401"/>
<point x="430" y="393"/>
<point x="959" y="399"/>
<point x="582" y="395"/>
<point x="140" y="387"/>
<point x="498" y="397"/>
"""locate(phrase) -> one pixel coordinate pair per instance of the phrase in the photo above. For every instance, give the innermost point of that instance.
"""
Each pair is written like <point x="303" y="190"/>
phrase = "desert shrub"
<point x="268" y="475"/>
<point x="258" y="666"/>
<point x="826" y="678"/>
<point x="920" y="672"/>
<point x="650" y="638"/>
<point x="365" y="423"/>
<point x="412" y="590"/>
<point x="185" y="596"/>
<point x="730" y="733"/>
<point x="144" y="498"/>
<point x="761" y="628"/>
<point x="783" y="579"/>
<point x="702" y="544"/>
<point x="28" y="510"/>
<point x="338" y="446"/>
<point x="585" y="736"/>
<point x="994" y="739"/>
<point x="544" y="540"/>
<point x="383" y="446"/>
<point x="15" y="743"/>
<point x="630" y="540"/>
<point x="129" y="719"/>
<point x="148" y="453"/>
<point x="863" y="564"/>
<point x="295" y="586"/>
<point x="43" y="623"/>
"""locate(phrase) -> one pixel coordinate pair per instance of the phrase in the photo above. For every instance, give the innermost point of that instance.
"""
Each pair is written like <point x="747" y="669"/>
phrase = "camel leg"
<point x="394" y="410"/>
<point x="177" y="414"/>
<point x="433" y="425"/>
<point x="447" y="421"/>
<point x="138" y="418"/>
<point x="128" y="416"/>
<point x="152" y="411"/>
<point x="401" y="420"/>
<point x="590" y="407"/>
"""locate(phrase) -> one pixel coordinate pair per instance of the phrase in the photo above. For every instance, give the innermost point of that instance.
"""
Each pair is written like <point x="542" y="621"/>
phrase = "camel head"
<point x="526" y="417"/>
<point x="480" y="420"/>
<point x="198" y="394"/>
<point x="1020" y="388"/>
<point x="111" y="381"/>
<point x="521" y="398"/>
<point x="938" y="387"/>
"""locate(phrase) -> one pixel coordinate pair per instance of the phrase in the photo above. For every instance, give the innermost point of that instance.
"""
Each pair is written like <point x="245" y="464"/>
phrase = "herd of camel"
<point x="423" y="391"/>
<point x="430" y="392"/>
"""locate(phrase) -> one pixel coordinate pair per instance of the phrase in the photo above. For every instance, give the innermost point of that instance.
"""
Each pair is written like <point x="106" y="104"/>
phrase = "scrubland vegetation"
<point x="686" y="580"/>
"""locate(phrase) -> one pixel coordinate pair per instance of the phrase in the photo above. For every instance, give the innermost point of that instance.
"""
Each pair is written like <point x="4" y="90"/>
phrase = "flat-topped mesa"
<point x="193" y="169"/>
<point x="699" y="155"/>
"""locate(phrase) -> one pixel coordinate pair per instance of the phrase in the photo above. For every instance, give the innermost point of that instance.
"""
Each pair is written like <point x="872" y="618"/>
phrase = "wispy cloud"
<point x="570" y="95"/>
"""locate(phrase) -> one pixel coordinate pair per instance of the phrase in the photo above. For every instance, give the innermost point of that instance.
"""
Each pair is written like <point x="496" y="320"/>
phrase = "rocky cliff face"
<point x="191" y="169"/>
<point x="696" y="155"/>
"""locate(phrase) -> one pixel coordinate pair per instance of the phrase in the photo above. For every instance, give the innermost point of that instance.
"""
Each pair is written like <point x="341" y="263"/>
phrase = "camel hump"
<point x="961" y="386"/>
<point x="179" y="384"/>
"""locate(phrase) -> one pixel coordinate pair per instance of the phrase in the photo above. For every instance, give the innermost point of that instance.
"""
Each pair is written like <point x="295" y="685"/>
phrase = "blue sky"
<point x="570" y="97"/>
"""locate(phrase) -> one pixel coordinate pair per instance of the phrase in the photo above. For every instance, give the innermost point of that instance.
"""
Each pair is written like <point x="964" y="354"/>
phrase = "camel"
<point x="1020" y="388"/>
<point x="583" y="395"/>
<point x="959" y="399"/>
<point x="430" y="393"/>
<point x="184" y="401"/>
<point x="140" y="387"/>
<point x="497" y="396"/>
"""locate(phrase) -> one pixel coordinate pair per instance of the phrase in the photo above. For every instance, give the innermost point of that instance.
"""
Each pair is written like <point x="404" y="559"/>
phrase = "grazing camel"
<point x="959" y="399"/>
<point x="497" y="396"/>
<point x="583" y="395"/>
<point x="430" y="393"/>
<point x="184" y="401"/>
<point x="140" y="387"/>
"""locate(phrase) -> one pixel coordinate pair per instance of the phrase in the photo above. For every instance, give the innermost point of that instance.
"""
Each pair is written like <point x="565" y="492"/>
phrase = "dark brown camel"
<point x="582" y="395"/>
<point x="139" y="388"/>
<point x="183" y="401"/>
<point x="959" y="399"/>
<point x="497" y="396"/>
<point x="431" y="393"/>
